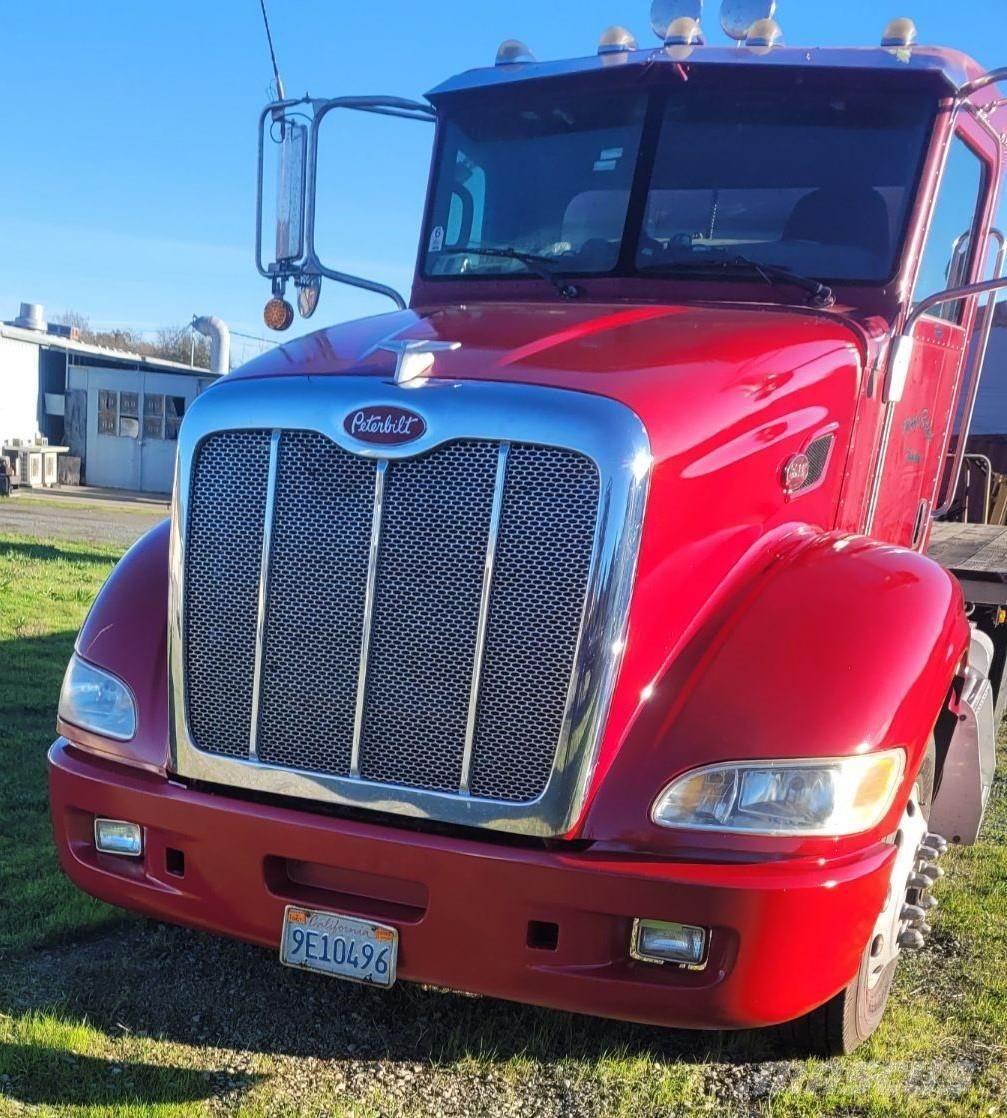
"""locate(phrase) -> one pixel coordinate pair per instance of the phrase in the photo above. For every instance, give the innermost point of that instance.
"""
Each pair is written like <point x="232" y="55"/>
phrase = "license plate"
<point x="339" y="945"/>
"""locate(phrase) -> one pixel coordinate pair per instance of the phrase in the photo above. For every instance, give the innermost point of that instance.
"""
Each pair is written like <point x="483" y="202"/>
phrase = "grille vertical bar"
<point x="365" y="637"/>
<point x="260" y="623"/>
<point x="484" y="609"/>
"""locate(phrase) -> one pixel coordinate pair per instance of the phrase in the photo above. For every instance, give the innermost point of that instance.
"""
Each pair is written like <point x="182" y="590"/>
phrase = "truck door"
<point x="923" y="421"/>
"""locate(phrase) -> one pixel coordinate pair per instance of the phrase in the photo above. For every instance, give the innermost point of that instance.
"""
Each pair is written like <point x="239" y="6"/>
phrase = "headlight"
<point x="95" y="700"/>
<point x="814" y="797"/>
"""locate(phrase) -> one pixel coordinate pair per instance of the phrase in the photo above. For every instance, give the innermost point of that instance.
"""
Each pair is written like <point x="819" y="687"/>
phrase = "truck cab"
<point x="567" y="634"/>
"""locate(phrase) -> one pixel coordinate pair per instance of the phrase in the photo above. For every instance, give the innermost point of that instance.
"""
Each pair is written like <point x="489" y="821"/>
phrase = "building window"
<point x="119" y="414"/>
<point x="153" y="416"/>
<point x="162" y="416"/>
<point x="174" y="409"/>
<point x="129" y="415"/>
<point x="107" y="412"/>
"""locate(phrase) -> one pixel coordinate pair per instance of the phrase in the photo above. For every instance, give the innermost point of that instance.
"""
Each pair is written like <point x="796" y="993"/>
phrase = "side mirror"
<point x="291" y="181"/>
<point x="291" y="127"/>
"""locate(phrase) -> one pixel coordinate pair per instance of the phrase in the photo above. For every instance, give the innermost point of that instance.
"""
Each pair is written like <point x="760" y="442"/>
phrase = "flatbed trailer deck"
<point x="976" y="554"/>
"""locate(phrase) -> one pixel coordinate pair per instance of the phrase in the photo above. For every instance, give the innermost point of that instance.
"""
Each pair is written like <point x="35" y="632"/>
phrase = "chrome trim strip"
<point x="260" y="622"/>
<point x="606" y="431"/>
<point x="484" y="615"/>
<point x="365" y="639"/>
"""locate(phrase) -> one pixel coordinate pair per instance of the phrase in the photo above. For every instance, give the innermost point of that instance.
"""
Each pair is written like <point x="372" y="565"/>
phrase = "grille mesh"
<point x="426" y="613"/>
<point x="818" y="456"/>
<point x="434" y="534"/>
<point x="542" y="563"/>
<point x="315" y="605"/>
<point x="223" y="557"/>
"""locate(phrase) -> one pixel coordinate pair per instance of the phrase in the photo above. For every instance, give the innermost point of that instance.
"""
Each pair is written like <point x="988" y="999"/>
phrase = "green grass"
<point x="105" y="1014"/>
<point x="150" y="506"/>
<point x="45" y="590"/>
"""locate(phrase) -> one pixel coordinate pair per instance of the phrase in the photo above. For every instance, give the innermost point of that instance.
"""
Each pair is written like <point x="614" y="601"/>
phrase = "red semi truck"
<point x="569" y="635"/>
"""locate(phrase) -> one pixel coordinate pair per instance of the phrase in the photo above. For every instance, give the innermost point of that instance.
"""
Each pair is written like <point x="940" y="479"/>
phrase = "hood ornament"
<point x="414" y="359"/>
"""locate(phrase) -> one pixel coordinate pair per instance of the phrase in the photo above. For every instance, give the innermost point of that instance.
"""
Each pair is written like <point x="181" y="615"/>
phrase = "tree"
<point x="171" y="343"/>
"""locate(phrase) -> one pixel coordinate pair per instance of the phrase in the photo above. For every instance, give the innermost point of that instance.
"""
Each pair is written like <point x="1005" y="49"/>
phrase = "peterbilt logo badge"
<point x="387" y="426"/>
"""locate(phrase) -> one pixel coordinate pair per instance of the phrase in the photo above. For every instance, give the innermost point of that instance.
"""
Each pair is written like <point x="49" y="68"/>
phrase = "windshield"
<point x="798" y="171"/>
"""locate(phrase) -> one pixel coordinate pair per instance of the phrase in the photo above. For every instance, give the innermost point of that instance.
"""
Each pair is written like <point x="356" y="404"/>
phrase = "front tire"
<point x="843" y="1024"/>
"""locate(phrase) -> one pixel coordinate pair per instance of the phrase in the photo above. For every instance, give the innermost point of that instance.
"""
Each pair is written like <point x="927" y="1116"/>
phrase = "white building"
<point x="118" y="413"/>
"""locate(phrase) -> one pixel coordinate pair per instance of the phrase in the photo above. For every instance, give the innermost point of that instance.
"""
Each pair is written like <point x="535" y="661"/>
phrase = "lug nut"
<point x="928" y="903"/>
<point x="932" y="873"/>
<point x="925" y="930"/>
<point x="913" y="914"/>
<point x="929" y="853"/>
<point x="911" y="940"/>
<point x="939" y="841"/>
<point x="918" y="881"/>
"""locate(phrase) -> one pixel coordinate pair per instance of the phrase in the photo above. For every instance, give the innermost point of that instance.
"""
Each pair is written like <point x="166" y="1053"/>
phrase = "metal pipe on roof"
<point x="217" y="331"/>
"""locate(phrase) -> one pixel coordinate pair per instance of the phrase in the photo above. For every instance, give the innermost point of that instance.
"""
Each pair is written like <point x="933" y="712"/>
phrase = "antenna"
<point x="280" y="91"/>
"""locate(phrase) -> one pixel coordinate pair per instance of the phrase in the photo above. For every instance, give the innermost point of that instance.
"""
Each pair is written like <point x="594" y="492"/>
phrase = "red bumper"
<point x="786" y="935"/>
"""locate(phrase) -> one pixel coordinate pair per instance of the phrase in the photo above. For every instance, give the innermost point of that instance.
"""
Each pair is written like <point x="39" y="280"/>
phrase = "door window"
<point x="947" y="259"/>
<point x="162" y="416"/>
<point x="108" y="412"/>
<point x="129" y="415"/>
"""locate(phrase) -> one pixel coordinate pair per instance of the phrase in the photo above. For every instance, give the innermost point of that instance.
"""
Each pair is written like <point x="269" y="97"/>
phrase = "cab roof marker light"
<point x="764" y="34"/>
<point x="684" y="32"/>
<point x="512" y="52"/>
<point x="617" y="40"/>
<point x="899" y="33"/>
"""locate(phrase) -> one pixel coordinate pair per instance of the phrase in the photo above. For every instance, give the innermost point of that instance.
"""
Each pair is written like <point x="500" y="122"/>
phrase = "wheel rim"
<point x="898" y="917"/>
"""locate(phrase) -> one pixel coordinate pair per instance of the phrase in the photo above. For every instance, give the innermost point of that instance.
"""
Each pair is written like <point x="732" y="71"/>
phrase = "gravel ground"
<point x="64" y="517"/>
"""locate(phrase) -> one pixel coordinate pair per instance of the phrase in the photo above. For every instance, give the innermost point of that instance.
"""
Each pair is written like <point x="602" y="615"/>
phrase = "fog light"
<point x="657" y="941"/>
<point x="112" y="836"/>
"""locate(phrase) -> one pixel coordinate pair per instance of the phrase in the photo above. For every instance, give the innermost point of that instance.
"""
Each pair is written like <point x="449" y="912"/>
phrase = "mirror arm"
<point x="972" y="386"/>
<point x="983" y="81"/>
<point x="313" y="267"/>
<point x="385" y="106"/>
<point x="900" y="363"/>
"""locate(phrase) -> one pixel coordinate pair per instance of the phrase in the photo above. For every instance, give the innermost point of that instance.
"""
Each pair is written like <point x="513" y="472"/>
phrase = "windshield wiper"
<point x="819" y="294"/>
<point x="540" y="265"/>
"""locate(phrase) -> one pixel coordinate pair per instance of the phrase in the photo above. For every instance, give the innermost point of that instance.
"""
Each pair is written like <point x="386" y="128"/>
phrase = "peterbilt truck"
<point x="569" y="633"/>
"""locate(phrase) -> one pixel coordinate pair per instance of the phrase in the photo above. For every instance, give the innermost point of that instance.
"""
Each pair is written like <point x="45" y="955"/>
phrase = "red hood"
<point x="569" y="345"/>
<point x="714" y="363"/>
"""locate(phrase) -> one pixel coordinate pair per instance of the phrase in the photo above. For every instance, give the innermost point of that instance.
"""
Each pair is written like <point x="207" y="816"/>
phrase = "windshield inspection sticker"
<point x="609" y="159"/>
<point x="437" y="239"/>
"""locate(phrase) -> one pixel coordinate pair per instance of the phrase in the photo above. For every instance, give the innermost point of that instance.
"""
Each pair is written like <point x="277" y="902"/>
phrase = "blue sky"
<point x="127" y="190"/>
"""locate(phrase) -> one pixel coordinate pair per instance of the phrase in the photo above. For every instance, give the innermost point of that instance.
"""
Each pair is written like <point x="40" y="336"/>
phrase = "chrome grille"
<point x="465" y="682"/>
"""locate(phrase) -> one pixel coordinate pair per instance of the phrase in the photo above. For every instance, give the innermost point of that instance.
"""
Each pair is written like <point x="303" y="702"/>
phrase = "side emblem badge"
<point x="385" y="426"/>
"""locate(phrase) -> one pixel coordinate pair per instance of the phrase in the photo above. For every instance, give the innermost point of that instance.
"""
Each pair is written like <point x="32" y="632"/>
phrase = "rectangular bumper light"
<point x="658" y="941"/>
<point x="113" y="836"/>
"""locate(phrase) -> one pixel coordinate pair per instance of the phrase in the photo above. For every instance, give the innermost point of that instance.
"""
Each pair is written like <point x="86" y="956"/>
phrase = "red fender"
<point x="843" y="646"/>
<point x="126" y="633"/>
